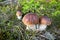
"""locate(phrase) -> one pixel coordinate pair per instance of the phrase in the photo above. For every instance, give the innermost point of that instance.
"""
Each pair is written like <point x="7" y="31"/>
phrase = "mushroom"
<point x="19" y="15"/>
<point x="31" y="21"/>
<point x="44" y="22"/>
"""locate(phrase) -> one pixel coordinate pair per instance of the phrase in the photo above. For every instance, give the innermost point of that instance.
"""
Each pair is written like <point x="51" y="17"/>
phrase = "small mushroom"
<point x="19" y="15"/>
<point x="31" y="21"/>
<point x="44" y="22"/>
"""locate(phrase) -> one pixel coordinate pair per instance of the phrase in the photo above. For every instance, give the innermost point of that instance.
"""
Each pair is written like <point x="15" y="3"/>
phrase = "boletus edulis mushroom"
<point x="44" y="22"/>
<point x="19" y="14"/>
<point x="31" y="20"/>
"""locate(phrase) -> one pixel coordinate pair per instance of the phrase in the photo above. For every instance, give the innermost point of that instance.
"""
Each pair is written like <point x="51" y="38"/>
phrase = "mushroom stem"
<point x="19" y="17"/>
<point x="31" y="27"/>
<point x="42" y="27"/>
<point x="27" y="28"/>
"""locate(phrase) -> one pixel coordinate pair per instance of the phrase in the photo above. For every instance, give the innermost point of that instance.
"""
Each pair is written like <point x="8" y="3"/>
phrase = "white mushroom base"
<point x="42" y="27"/>
<point x="37" y="27"/>
<point x="19" y="17"/>
<point x="32" y="27"/>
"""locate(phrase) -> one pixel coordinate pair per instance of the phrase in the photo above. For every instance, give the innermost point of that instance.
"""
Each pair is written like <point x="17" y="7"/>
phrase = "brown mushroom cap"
<point x="45" y="20"/>
<point x="18" y="13"/>
<point x="30" y="19"/>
